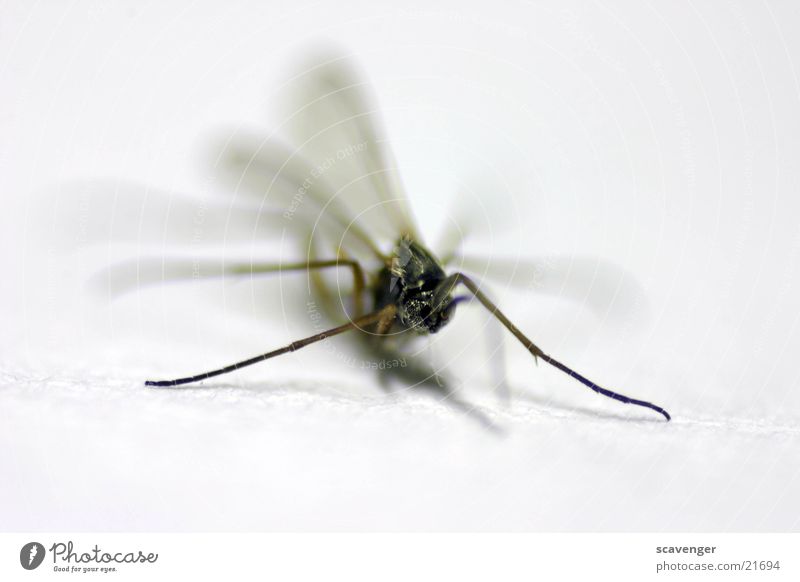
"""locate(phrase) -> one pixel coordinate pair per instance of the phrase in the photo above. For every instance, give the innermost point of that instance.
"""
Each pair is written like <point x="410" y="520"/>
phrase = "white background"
<point x="663" y="139"/>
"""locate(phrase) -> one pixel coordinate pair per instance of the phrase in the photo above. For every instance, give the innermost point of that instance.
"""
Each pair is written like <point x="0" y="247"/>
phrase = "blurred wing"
<point x="605" y="288"/>
<point x="101" y="211"/>
<point x="330" y="116"/>
<point x="463" y="221"/>
<point x="276" y="177"/>
<point x="133" y="274"/>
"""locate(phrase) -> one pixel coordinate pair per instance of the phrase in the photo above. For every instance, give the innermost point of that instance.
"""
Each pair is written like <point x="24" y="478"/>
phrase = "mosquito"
<point x="334" y="181"/>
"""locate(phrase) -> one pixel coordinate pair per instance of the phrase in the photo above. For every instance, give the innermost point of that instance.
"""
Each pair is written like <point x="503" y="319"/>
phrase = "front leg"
<point x="385" y="323"/>
<point x="446" y="288"/>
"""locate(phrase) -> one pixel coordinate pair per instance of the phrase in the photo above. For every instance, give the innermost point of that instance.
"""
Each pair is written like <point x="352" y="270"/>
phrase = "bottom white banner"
<point x="301" y="556"/>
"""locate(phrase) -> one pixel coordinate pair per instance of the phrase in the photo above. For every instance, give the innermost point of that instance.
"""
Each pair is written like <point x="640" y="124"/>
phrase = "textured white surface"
<point x="662" y="138"/>
<point x="91" y="453"/>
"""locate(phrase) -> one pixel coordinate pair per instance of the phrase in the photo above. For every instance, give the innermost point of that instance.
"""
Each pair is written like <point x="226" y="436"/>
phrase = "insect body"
<point x="342" y="195"/>
<point x="417" y="285"/>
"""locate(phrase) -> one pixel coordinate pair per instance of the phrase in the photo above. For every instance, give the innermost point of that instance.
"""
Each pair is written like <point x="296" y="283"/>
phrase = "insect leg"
<point x="357" y="323"/>
<point x="133" y="274"/>
<point x="457" y="278"/>
<point x="385" y="322"/>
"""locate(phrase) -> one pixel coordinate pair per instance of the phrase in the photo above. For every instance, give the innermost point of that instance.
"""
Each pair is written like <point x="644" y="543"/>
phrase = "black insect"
<point x="339" y="192"/>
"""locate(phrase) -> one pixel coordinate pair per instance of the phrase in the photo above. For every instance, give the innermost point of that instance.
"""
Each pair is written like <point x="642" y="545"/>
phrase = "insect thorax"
<point x="410" y="282"/>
